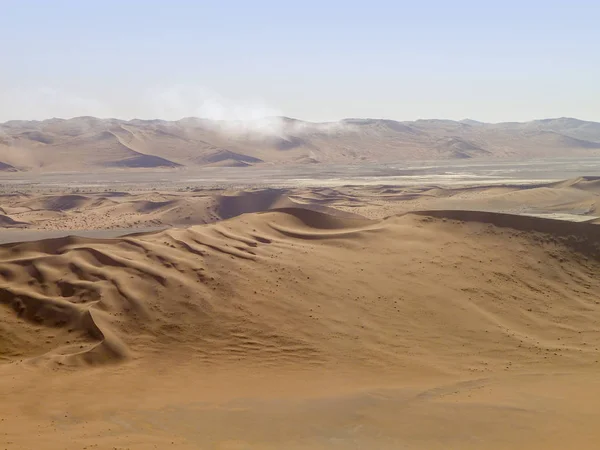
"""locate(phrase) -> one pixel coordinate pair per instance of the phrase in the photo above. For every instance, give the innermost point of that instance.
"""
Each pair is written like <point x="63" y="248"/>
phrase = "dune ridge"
<point x="297" y="323"/>
<point x="107" y="210"/>
<point x="583" y="236"/>
<point x="223" y="281"/>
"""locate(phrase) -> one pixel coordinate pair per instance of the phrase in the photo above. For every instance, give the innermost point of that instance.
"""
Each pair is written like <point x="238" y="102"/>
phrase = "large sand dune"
<point x="121" y="210"/>
<point x="295" y="328"/>
<point x="40" y="211"/>
<point x="123" y="284"/>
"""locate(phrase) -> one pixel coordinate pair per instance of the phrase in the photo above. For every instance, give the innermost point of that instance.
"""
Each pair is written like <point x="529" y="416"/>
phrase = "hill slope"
<point x="85" y="143"/>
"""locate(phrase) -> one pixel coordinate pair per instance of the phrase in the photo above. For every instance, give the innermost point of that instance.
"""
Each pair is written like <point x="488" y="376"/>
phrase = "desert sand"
<point x="380" y="317"/>
<point x="144" y="208"/>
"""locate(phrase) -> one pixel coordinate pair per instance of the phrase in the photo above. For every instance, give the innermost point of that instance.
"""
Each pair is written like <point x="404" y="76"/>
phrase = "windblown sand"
<point x="305" y="326"/>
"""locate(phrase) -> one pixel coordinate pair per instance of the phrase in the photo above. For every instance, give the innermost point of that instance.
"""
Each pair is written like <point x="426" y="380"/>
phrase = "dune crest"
<point x="228" y="290"/>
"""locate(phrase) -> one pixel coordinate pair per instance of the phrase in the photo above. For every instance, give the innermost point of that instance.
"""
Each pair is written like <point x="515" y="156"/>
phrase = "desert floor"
<point x="373" y="316"/>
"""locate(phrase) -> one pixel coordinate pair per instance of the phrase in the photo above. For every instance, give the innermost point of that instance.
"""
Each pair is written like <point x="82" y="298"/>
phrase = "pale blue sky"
<point x="314" y="60"/>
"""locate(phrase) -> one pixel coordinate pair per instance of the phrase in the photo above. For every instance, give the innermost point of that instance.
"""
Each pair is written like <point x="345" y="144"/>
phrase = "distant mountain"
<point x="89" y="143"/>
<point x="579" y="129"/>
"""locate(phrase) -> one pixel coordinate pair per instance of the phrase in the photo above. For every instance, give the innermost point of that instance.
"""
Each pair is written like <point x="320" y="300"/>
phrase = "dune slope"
<point x="297" y="329"/>
<point x="358" y="291"/>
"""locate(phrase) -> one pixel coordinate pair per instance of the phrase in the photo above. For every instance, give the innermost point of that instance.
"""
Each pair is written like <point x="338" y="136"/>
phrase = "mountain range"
<point x="89" y="143"/>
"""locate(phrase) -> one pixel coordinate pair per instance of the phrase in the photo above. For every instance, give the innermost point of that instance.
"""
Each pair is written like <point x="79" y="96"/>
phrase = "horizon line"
<point x="288" y="118"/>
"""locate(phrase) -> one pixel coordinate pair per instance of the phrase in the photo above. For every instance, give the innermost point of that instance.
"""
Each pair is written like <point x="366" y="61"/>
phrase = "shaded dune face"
<point x="122" y="210"/>
<point x="429" y="293"/>
<point x="575" y="199"/>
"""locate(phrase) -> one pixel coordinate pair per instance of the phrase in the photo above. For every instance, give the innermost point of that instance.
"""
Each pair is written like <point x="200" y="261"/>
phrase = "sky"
<point x="320" y="60"/>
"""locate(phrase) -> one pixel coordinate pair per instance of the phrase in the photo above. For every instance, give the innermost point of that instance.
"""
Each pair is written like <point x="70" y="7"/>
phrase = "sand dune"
<point x="109" y="290"/>
<point x="109" y="210"/>
<point x="575" y="199"/>
<point x="462" y="315"/>
<point x="356" y="317"/>
<point x="589" y="184"/>
<point x="77" y="210"/>
<point x="8" y="222"/>
<point x="59" y="203"/>
<point x="234" y="204"/>
<point x="5" y="167"/>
